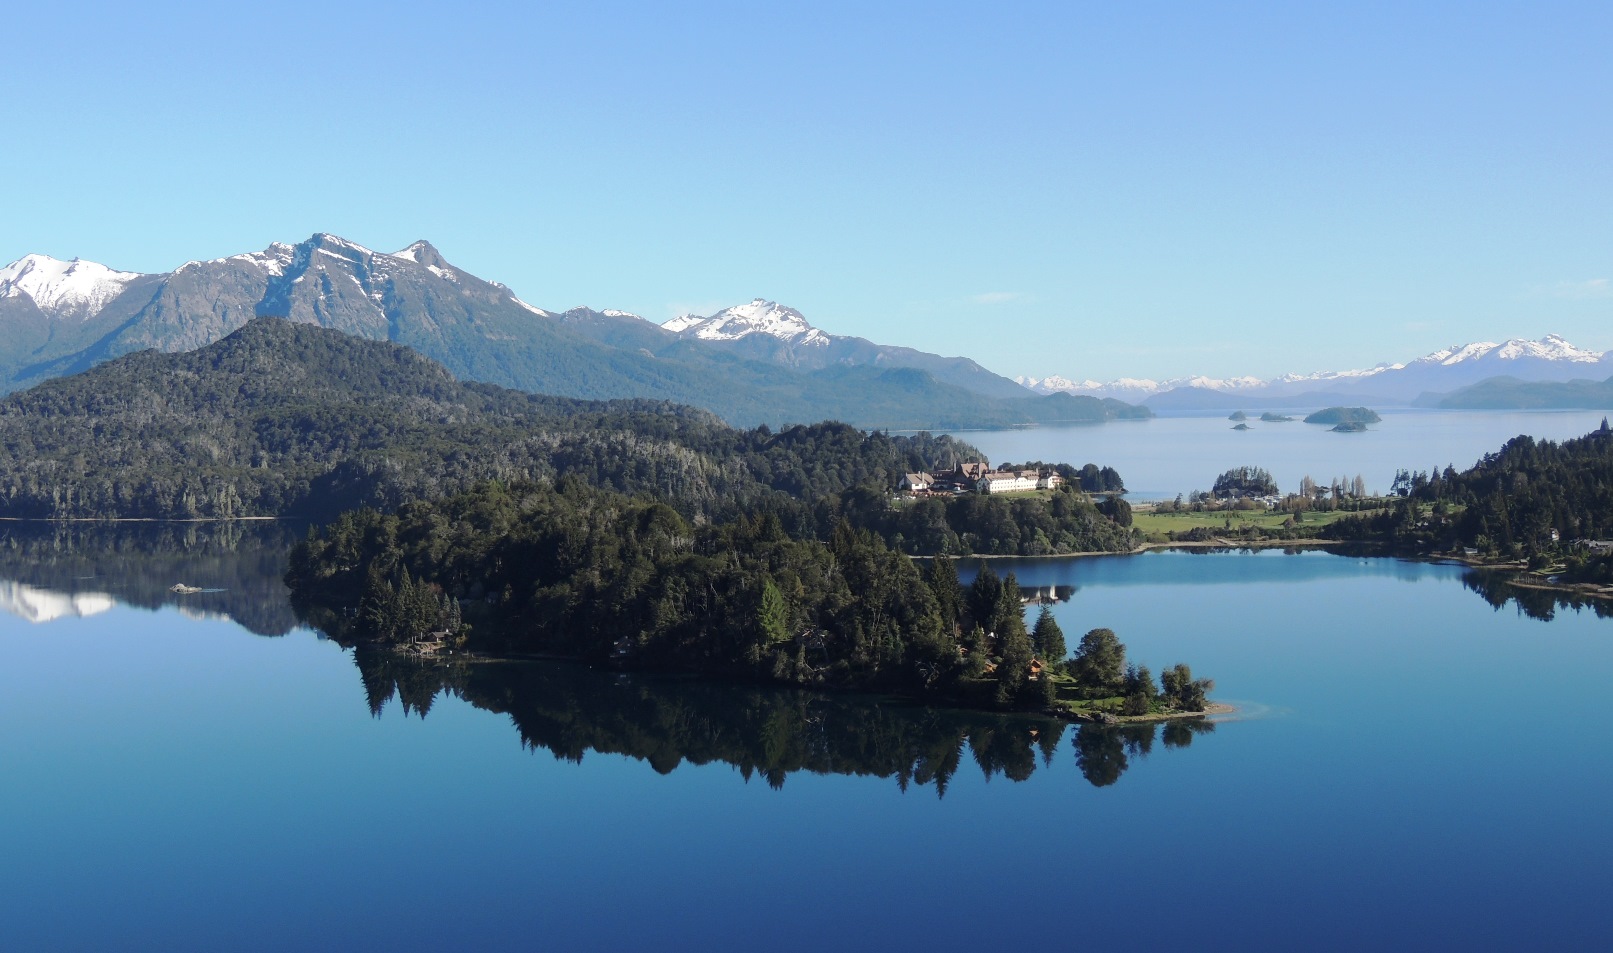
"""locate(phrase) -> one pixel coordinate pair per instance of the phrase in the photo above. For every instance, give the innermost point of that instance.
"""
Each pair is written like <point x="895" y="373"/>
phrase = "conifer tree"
<point x="942" y="578"/>
<point x="1048" y="639"/>
<point x="1100" y="662"/>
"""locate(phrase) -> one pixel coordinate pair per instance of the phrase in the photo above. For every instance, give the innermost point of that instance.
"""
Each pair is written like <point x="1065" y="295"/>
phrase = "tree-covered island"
<point x="1345" y="415"/>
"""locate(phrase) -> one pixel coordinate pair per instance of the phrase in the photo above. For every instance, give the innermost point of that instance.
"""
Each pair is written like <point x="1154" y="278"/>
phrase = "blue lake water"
<point x="1162" y="457"/>
<point x="1418" y="763"/>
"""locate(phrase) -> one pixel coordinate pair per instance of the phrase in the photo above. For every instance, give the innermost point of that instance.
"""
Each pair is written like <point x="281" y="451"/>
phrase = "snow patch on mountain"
<point x="60" y="288"/>
<point x="760" y="316"/>
<point x="1550" y="348"/>
<point x="412" y="253"/>
<point x="1133" y="386"/>
<point x="273" y="260"/>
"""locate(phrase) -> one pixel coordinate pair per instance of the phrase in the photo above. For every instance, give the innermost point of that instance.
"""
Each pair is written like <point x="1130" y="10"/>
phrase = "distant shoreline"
<point x="1185" y="544"/>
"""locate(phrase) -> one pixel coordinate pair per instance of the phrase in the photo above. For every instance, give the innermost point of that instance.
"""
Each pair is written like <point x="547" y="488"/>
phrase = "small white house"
<point x="916" y="482"/>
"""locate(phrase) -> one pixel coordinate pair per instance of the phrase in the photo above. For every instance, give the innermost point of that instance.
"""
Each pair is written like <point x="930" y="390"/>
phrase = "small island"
<point x="1349" y="426"/>
<point x="1243" y="427"/>
<point x="1238" y="415"/>
<point x="1274" y="418"/>
<point x="1344" y="415"/>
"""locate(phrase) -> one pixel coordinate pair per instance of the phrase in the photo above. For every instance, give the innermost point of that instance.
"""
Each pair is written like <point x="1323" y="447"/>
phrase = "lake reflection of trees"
<point x="136" y="563"/>
<point x="570" y="710"/>
<point x="1498" y="590"/>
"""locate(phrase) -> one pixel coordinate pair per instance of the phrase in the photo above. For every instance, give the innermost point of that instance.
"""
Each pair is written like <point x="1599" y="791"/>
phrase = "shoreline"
<point x="1218" y="543"/>
<point x="1115" y="721"/>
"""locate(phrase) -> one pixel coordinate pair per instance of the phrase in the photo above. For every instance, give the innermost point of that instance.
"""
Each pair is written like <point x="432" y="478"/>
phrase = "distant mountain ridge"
<point x="1549" y="359"/>
<point x="1510" y="393"/>
<point x="753" y="363"/>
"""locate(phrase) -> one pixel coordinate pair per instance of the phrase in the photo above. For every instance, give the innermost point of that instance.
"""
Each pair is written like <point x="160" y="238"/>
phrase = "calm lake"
<point x="1419" y="762"/>
<point x="1162" y="457"/>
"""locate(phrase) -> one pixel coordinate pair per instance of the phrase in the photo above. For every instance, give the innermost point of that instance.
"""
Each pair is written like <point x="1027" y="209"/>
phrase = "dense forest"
<point x="283" y="419"/>
<point x="1064" y="522"/>
<point x="292" y="420"/>
<point x="574" y="570"/>
<point x="1534" y="500"/>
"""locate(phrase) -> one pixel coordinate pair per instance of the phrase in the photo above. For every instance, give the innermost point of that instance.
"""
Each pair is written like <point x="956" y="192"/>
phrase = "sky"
<point x="1091" y="190"/>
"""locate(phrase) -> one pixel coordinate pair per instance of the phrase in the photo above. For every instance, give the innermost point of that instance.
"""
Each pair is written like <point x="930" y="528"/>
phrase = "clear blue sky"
<point x="1142" y="189"/>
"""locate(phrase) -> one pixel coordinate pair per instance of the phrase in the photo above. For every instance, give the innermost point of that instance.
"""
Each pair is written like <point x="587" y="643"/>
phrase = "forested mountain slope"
<point x="282" y="418"/>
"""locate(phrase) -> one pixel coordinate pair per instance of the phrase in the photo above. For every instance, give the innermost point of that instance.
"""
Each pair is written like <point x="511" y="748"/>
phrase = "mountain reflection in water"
<point x="67" y="570"/>
<point x="55" y="570"/>
<point x="569" y="710"/>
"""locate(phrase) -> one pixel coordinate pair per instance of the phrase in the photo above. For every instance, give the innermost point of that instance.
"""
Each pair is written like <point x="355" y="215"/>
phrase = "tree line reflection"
<point x="1498" y="589"/>
<point x="239" y="565"/>
<point x="570" y="710"/>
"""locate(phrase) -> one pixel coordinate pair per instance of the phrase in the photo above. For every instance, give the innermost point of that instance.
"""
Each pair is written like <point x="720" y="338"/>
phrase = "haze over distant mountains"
<point x="1548" y="359"/>
<point x="754" y="363"/>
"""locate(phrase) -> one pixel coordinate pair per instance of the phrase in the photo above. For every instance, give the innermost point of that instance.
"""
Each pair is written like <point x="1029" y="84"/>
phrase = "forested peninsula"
<point x="575" y="571"/>
<point x="1543" y="506"/>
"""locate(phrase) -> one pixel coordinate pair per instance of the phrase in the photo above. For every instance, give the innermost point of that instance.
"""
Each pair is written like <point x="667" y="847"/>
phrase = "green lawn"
<point x="1266" y="519"/>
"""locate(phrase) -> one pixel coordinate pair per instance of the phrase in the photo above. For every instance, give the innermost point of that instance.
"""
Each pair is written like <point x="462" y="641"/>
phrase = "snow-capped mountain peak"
<point x="423" y="253"/>
<point x="683" y="322"/>
<point x="1552" y="347"/>
<point x="60" y="288"/>
<point x="760" y="316"/>
<point x="1464" y="361"/>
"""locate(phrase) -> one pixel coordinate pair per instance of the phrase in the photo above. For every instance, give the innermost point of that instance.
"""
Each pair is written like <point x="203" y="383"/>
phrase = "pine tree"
<point x="984" y="593"/>
<point x="1048" y="639"/>
<point x="772" y="615"/>
<point x="942" y="578"/>
<point x="1009" y="615"/>
<point x="1100" y="663"/>
<point x="1013" y="667"/>
<point x="1139" y="690"/>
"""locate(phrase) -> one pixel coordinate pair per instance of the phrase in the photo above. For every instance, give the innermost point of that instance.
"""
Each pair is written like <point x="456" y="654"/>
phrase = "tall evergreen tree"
<point x="1100" y="663"/>
<point x="942" y="578"/>
<point x="984" y="593"/>
<point x="1013" y="667"/>
<point x="1009" y="615"/>
<point x="1048" y="639"/>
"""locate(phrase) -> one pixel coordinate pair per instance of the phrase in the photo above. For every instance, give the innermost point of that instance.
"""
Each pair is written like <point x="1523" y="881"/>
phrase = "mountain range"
<point x="754" y="363"/>
<point x="1402" y="384"/>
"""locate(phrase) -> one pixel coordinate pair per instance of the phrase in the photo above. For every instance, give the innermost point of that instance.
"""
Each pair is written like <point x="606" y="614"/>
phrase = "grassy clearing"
<point x="1162" y="523"/>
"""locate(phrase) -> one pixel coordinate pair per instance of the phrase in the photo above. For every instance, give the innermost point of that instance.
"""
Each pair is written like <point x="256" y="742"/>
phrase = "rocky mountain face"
<point x="751" y="364"/>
